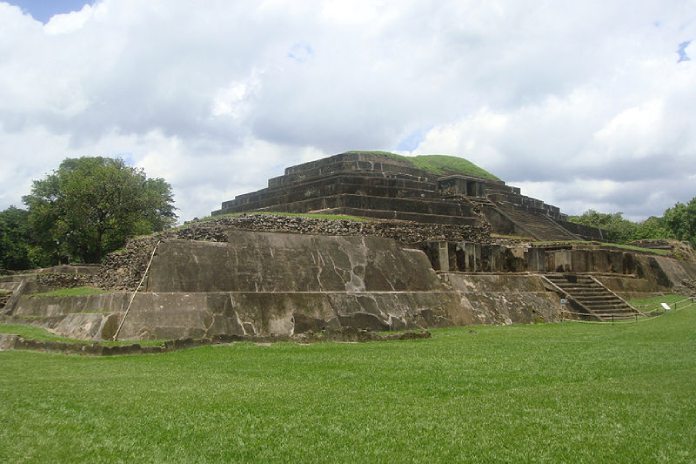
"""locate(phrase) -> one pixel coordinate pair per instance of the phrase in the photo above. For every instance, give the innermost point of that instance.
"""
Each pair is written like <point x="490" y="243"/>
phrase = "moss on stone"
<point x="76" y="291"/>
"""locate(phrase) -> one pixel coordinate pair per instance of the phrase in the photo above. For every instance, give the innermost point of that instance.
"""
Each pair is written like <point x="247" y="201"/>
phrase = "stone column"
<point x="472" y="256"/>
<point x="563" y="261"/>
<point x="443" y="256"/>
<point x="536" y="260"/>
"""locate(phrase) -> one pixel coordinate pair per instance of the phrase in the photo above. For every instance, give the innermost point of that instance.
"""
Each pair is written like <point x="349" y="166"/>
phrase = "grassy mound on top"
<point x="437" y="164"/>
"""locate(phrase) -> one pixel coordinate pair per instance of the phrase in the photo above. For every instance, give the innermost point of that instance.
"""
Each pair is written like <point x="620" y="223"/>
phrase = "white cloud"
<point x="69" y="22"/>
<point x="582" y="102"/>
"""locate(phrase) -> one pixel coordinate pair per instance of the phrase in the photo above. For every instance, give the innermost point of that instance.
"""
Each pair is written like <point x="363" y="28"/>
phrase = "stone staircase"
<point x="589" y="296"/>
<point x="539" y="226"/>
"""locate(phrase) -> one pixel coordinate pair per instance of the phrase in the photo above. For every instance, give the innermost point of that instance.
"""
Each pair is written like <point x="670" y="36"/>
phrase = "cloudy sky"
<point x="583" y="104"/>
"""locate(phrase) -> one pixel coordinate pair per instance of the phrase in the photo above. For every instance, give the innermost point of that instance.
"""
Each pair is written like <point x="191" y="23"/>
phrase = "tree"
<point x="620" y="229"/>
<point x="681" y="221"/>
<point x="653" y="228"/>
<point x="90" y="206"/>
<point x="14" y="239"/>
<point x="677" y="222"/>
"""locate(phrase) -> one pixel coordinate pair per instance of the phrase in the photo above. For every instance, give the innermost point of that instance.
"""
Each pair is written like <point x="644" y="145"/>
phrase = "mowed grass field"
<point x="580" y="393"/>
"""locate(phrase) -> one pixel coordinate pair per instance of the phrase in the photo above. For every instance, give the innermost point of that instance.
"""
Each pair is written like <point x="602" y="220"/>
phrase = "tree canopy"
<point x="14" y="239"/>
<point x="678" y="222"/>
<point x="619" y="229"/>
<point x="681" y="221"/>
<point x="89" y="206"/>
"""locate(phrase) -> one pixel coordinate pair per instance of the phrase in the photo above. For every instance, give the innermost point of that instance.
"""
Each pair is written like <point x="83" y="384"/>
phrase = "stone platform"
<point x="255" y="283"/>
<point x="260" y="283"/>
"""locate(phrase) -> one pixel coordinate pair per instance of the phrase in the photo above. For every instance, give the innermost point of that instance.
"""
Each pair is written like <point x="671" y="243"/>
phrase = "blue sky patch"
<point x="412" y="140"/>
<point x="300" y="52"/>
<point x="43" y="10"/>
<point x="681" y="51"/>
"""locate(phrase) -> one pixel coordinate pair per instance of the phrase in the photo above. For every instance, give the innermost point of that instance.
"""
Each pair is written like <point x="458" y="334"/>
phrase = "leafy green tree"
<point x="677" y="222"/>
<point x="620" y="229"/>
<point x="652" y="228"/>
<point x="15" y="252"/>
<point x="681" y="221"/>
<point x="89" y="206"/>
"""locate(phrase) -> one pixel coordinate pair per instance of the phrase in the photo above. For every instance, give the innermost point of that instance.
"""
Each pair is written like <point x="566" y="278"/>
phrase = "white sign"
<point x="665" y="306"/>
<point x="564" y="301"/>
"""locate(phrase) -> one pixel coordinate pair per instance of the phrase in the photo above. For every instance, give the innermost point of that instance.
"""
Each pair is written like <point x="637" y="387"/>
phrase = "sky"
<point x="585" y="105"/>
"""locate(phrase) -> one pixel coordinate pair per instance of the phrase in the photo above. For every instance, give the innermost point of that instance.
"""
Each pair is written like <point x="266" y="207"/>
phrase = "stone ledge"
<point x="410" y="205"/>
<point x="15" y="342"/>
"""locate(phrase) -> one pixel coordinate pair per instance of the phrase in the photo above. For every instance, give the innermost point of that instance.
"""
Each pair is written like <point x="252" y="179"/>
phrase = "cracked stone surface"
<point x="273" y="262"/>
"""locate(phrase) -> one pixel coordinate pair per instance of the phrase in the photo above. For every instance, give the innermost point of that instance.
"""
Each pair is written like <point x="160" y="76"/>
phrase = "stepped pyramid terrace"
<point x="357" y="241"/>
<point x="427" y="189"/>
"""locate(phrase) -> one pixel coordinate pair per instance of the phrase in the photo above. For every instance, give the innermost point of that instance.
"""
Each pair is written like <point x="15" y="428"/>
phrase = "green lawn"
<point x="653" y="303"/>
<point x="577" y="393"/>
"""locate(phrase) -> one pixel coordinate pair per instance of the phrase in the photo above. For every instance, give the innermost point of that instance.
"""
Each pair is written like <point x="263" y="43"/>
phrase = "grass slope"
<point x="568" y="392"/>
<point x="437" y="164"/>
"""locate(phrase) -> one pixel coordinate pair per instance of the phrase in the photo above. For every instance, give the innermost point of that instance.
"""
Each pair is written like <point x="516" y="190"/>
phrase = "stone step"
<point x="613" y="305"/>
<point x="618" y="317"/>
<point x="600" y="301"/>
<point x="576" y="289"/>
<point x="337" y="183"/>
<point x="542" y="227"/>
<point x="409" y="205"/>
<point x="606" y="304"/>
<point x="605" y="311"/>
<point x="296" y="174"/>
<point x="577" y="283"/>
<point x="403" y="216"/>
<point x="616" y="314"/>
<point x="594" y="296"/>
<point x="605" y="314"/>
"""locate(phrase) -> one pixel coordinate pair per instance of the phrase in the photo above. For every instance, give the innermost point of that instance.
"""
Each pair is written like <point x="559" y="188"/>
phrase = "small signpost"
<point x="665" y="306"/>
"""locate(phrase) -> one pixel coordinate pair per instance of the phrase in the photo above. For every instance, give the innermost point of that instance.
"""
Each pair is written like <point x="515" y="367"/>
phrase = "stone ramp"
<point x="538" y="226"/>
<point x="589" y="296"/>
